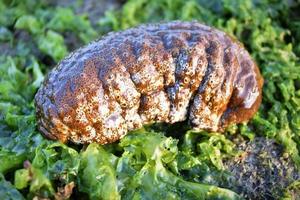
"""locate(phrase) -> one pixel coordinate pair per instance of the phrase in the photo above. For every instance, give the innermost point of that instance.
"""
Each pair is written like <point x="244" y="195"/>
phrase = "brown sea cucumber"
<point x="166" y="72"/>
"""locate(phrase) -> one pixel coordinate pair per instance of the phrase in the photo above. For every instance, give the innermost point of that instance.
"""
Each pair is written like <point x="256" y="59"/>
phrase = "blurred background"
<point x="71" y="23"/>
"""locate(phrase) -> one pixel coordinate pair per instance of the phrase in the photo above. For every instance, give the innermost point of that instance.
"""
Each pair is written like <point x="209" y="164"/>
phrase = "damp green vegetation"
<point x="157" y="161"/>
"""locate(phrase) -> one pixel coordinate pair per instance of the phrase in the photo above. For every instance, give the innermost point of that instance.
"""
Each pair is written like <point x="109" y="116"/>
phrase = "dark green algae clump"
<point x="262" y="170"/>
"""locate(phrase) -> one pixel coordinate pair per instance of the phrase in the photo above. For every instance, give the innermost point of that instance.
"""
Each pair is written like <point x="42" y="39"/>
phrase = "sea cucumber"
<point x="166" y="72"/>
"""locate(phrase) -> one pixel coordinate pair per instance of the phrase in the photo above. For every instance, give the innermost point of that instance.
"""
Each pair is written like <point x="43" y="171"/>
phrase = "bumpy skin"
<point x="153" y="73"/>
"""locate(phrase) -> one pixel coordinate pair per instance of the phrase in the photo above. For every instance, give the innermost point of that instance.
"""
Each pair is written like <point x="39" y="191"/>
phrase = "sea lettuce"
<point x="8" y="191"/>
<point x="97" y="175"/>
<point x="145" y="170"/>
<point x="53" y="162"/>
<point x="18" y="137"/>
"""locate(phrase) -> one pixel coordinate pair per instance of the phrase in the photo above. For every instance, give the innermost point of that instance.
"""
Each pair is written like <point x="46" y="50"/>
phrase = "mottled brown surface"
<point x="153" y="73"/>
